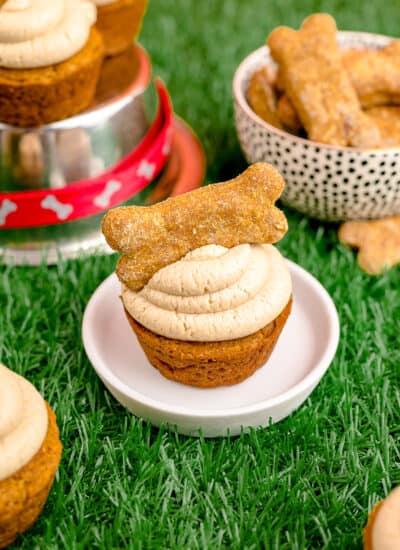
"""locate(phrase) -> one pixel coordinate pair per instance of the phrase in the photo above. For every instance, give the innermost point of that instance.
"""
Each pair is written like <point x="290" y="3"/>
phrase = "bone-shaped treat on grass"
<point x="378" y="242"/>
<point x="235" y="212"/>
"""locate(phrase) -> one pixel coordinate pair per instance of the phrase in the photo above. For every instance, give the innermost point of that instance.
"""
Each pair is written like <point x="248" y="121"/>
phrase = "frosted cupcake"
<point x="117" y="74"/>
<point x="119" y="22"/>
<point x="50" y="59"/>
<point x="383" y="528"/>
<point x="213" y="316"/>
<point x="29" y="457"/>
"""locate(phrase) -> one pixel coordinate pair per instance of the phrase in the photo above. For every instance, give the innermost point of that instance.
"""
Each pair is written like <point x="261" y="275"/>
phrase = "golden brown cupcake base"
<point x="33" y="97"/>
<point x="117" y="74"/>
<point x="23" y="495"/>
<point x="119" y="23"/>
<point x="368" y="528"/>
<point x="210" y="364"/>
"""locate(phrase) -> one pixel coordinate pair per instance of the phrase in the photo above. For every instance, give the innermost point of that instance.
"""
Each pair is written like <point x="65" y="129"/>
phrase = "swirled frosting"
<point x="38" y="33"/>
<point x="386" y="526"/>
<point x="23" y="422"/>
<point x="214" y="294"/>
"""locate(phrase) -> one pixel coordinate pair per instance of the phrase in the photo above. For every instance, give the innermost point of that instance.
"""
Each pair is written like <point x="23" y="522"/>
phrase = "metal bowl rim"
<point x="101" y="112"/>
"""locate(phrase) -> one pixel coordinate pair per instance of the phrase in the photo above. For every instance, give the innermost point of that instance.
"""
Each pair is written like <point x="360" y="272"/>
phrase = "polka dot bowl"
<point x="324" y="181"/>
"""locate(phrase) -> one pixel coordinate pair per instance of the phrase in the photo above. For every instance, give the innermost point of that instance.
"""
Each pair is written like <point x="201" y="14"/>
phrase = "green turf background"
<point x="306" y="482"/>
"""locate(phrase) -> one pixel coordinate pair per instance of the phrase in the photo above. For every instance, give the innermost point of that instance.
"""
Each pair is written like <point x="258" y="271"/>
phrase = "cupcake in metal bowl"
<point x="80" y="146"/>
<point x="328" y="182"/>
<point x="58" y="179"/>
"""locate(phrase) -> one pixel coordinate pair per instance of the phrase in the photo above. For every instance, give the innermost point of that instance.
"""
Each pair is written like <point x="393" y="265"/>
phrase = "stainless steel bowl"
<point x="79" y="147"/>
<point x="76" y="148"/>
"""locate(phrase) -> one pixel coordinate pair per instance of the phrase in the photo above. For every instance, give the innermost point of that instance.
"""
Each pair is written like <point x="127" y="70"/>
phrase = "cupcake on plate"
<point x="204" y="290"/>
<point x="382" y="531"/>
<point x="119" y="22"/>
<point x="30" y="454"/>
<point x="50" y="59"/>
<point x="213" y="317"/>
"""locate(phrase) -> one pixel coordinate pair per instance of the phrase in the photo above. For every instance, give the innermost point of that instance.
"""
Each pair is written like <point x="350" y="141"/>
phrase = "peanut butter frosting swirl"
<point x="386" y="526"/>
<point x="23" y="422"/>
<point x="214" y="294"/>
<point x="38" y="33"/>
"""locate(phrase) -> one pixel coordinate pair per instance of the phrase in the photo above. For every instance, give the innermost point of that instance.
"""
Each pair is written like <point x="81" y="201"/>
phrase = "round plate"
<point x="183" y="172"/>
<point x="303" y="353"/>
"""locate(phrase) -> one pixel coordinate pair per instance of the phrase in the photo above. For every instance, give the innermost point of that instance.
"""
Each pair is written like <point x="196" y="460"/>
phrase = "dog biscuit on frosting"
<point x="239" y="211"/>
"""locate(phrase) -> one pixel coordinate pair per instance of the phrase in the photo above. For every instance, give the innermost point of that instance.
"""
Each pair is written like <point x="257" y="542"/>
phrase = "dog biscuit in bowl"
<point x="375" y="74"/>
<point x="318" y="85"/>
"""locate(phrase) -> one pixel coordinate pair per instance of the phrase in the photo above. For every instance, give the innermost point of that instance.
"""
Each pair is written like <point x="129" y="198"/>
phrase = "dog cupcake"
<point x="204" y="290"/>
<point x="382" y="531"/>
<point x="50" y="59"/>
<point x="29" y="457"/>
<point x="117" y="74"/>
<point x="119" y="22"/>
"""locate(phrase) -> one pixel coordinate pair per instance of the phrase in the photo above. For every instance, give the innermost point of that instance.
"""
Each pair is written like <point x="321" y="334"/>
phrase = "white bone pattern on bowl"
<point x="326" y="182"/>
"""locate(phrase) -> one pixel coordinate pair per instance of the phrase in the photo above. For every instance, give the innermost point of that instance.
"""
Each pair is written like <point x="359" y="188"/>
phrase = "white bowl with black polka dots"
<point x="324" y="181"/>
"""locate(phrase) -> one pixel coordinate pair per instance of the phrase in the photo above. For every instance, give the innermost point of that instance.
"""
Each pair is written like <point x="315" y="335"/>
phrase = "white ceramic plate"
<point x="302" y="355"/>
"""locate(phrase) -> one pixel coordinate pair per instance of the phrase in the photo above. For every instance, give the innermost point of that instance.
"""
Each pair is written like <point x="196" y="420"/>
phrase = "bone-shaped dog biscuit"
<point x="238" y="211"/>
<point x="375" y="74"/>
<point x="262" y="97"/>
<point x="387" y="118"/>
<point x="288" y="115"/>
<point x="313" y="76"/>
<point x="378" y="242"/>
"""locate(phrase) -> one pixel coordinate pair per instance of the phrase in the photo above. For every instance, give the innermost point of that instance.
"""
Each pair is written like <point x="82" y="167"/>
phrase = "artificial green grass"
<point x="306" y="482"/>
